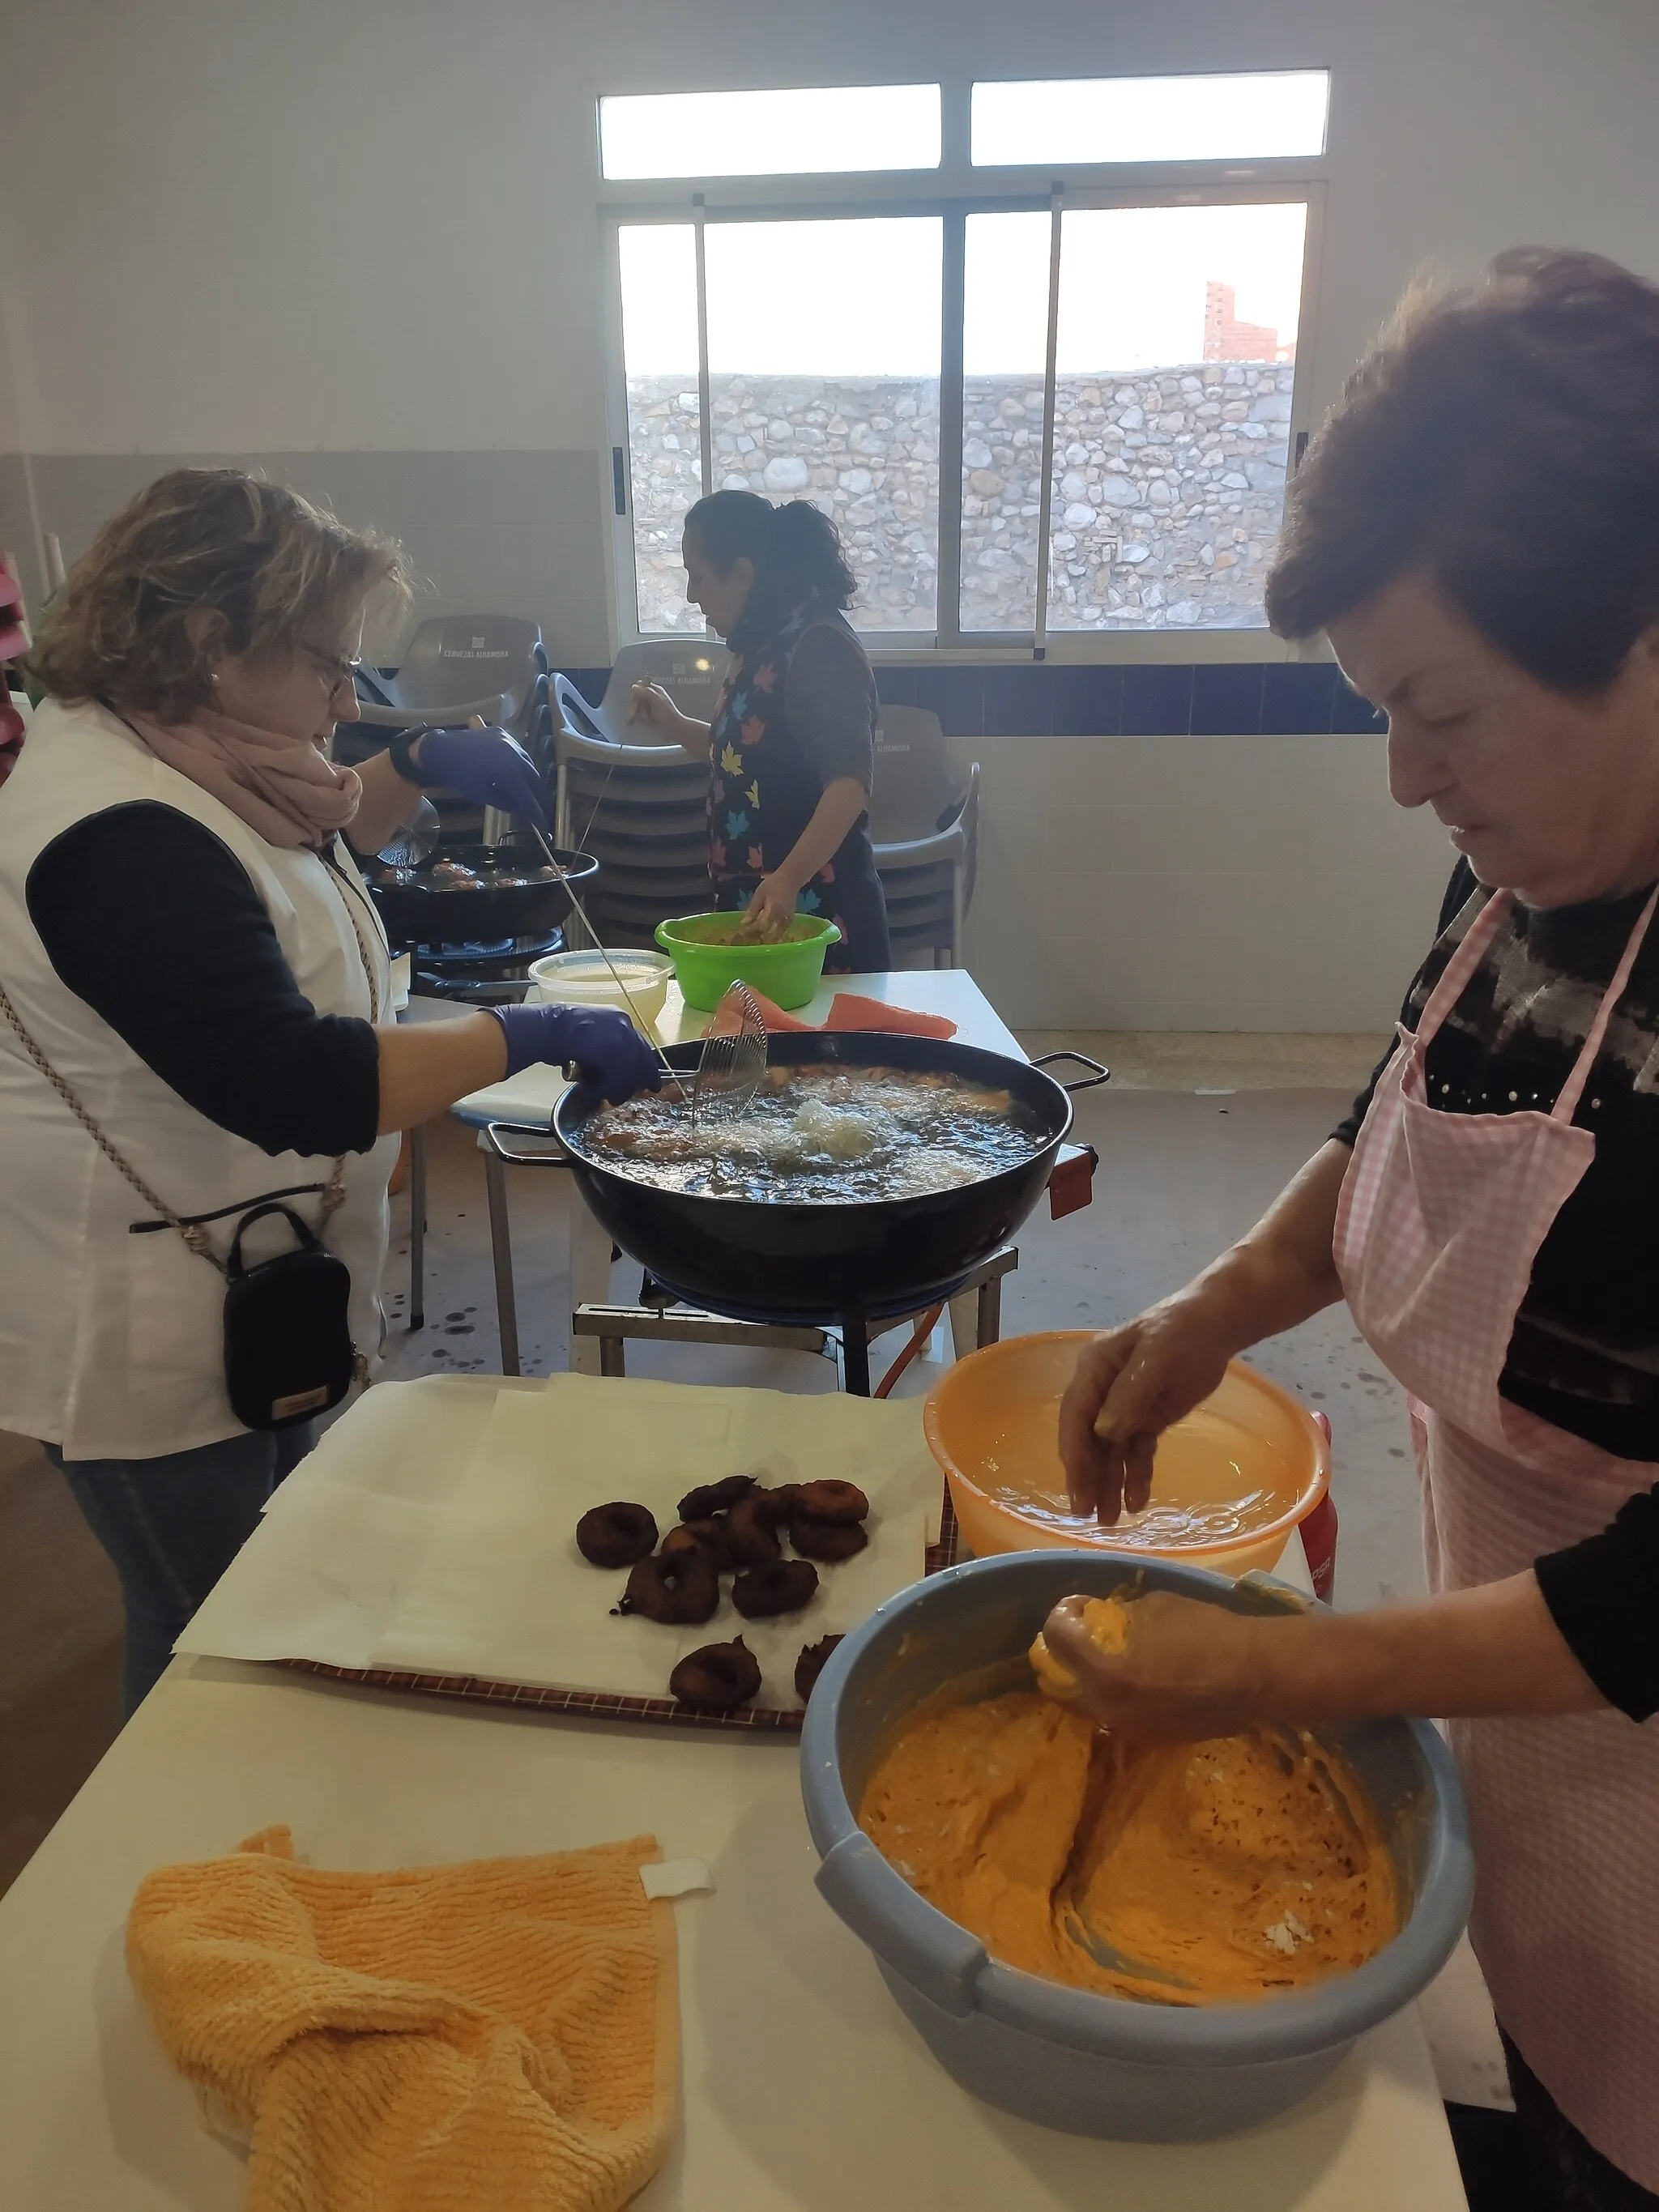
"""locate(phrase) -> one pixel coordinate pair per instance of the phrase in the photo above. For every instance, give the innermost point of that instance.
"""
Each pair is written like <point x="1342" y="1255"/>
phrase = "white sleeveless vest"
<point x="110" y="1343"/>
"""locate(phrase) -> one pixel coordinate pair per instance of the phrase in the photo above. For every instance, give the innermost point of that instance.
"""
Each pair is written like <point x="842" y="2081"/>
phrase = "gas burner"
<point x="506" y="952"/>
<point x="449" y="956"/>
<point x="473" y="990"/>
<point x="495" y="975"/>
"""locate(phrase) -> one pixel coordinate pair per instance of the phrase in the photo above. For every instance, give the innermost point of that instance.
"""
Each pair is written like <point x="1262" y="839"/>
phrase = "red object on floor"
<point x="1319" y="1536"/>
<point x="918" y="1336"/>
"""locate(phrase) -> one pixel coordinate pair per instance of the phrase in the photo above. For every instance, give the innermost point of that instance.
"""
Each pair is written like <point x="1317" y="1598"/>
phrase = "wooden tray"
<point x="600" y="1704"/>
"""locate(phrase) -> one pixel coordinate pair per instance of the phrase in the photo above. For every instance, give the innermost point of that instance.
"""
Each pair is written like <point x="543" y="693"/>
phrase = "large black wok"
<point x="420" y="912"/>
<point x="826" y="1263"/>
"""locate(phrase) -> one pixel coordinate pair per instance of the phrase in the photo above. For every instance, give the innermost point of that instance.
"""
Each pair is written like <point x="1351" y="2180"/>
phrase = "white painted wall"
<point x="11" y="423"/>
<point x="1199" y="884"/>
<point x="15" y="532"/>
<point x="368" y="226"/>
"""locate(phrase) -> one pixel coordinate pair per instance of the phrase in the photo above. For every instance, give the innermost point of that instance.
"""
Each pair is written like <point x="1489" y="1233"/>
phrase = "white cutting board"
<point x="432" y="1529"/>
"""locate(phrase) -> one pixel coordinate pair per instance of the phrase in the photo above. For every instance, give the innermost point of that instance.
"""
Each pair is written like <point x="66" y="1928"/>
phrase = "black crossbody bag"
<point x="289" y="1352"/>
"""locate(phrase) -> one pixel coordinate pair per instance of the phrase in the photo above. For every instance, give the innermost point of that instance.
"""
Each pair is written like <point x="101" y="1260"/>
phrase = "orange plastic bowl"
<point x="1230" y="1482"/>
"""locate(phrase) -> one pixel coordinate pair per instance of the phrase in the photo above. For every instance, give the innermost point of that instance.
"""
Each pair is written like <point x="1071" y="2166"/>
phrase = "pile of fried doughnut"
<point x="736" y="1527"/>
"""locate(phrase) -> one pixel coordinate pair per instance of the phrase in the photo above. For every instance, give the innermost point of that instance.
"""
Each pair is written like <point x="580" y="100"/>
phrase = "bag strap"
<point x="307" y="1243"/>
<point x="193" y="1235"/>
<point x="191" y="1231"/>
<point x="334" y="1194"/>
<point x="337" y="876"/>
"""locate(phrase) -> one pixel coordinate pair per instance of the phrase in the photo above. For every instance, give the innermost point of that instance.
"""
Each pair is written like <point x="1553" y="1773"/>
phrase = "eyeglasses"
<point x="334" y="671"/>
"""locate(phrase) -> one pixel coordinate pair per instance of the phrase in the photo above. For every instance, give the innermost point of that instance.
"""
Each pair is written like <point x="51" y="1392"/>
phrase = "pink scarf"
<point x="282" y="786"/>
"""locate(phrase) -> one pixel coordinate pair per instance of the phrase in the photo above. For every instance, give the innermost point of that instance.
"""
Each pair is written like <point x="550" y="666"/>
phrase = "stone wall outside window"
<point x="1168" y="486"/>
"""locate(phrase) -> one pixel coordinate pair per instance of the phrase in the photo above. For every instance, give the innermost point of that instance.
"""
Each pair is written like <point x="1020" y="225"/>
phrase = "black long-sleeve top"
<point x="156" y="925"/>
<point x="1584" y="1351"/>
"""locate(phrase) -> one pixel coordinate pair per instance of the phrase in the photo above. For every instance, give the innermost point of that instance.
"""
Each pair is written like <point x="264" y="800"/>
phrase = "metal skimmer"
<point x="416" y="842"/>
<point x="733" y="1062"/>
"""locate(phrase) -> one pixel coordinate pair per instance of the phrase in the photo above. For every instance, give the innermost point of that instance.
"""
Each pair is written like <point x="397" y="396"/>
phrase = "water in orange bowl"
<point x="1230" y="1482"/>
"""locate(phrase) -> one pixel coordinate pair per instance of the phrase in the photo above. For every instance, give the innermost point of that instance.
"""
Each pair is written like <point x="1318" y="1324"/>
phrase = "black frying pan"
<point x="420" y="912"/>
<point x="762" y="1260"/>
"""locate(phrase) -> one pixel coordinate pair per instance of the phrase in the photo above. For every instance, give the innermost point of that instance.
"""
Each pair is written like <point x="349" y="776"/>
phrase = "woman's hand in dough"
<point x="1189" y="1670"/>
<point x="1130" y="1385"/>
<point x="772" y="908"/>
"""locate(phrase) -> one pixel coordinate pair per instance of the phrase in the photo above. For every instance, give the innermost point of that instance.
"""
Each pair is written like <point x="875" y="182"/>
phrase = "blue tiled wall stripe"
<point x="1225" y="699"/>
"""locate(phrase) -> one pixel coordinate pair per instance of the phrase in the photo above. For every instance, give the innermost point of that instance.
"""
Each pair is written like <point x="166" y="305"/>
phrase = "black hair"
<point x="795" y="548"/>
<point x="1504" y="439"/>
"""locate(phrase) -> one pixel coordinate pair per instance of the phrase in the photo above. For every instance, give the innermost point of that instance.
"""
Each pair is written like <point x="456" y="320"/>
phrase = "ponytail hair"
<point x="796" y="549"/>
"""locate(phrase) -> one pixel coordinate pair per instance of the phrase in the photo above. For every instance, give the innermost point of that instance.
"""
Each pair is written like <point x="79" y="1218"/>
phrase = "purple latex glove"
<point x="610" y="1056"/>
<point x="484" y="765"/>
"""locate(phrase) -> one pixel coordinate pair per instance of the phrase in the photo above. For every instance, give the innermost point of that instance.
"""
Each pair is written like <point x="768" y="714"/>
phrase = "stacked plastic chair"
<point x="641" y="809"/>
<point x="924" y="826"/>
<point x="454" y="668"/>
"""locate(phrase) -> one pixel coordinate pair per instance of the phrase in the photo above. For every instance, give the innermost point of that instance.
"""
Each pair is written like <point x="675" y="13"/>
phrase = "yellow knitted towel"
<point x="502" y="2034"/>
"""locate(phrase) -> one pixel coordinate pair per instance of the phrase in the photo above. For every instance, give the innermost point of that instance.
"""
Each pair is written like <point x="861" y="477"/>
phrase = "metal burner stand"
<point x="974" y="1307"/>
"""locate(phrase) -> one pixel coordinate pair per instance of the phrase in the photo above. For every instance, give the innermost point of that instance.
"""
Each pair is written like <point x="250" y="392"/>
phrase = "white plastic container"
<point x="582" y="979"/>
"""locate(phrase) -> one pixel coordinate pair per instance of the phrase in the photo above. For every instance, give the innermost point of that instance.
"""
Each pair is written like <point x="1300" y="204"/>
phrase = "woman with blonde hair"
<point x="200" y="1083"/>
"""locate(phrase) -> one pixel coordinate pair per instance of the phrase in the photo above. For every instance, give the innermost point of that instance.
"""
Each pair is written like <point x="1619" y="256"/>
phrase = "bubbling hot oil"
<point x="824" y="1135"/>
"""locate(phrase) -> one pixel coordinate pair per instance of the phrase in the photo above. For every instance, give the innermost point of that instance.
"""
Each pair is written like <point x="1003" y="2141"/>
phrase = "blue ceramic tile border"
<point x="1085" y="702"/>
<point x="1227" y="699"/>
<point x="1223" y="699"/>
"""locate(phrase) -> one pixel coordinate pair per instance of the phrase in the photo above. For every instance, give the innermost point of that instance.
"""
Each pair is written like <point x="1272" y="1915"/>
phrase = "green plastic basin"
<point x="787" y="972"/>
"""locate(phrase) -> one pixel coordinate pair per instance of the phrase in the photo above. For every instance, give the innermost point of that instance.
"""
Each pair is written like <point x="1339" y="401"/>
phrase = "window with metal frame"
<point x="1039" y="408"/>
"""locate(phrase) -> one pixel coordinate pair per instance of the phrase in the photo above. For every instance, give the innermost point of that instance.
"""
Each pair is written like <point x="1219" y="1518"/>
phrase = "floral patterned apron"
<point x="764" y="790"/>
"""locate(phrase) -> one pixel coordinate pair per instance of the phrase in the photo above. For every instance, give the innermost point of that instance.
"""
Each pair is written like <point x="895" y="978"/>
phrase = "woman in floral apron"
<point x="792" y="744"/>
<point x="1475" y="529"/>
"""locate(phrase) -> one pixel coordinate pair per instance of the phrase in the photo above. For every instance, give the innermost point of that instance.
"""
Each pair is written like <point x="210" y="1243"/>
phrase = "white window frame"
<point x="954" y="191"/>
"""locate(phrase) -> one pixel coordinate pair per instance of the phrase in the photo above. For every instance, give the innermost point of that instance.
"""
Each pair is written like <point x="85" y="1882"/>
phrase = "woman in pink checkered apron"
<point x="1477" y="531"/>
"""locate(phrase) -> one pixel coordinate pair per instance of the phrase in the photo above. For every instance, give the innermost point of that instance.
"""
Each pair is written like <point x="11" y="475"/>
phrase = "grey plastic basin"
<point x="1094" y="2065"/>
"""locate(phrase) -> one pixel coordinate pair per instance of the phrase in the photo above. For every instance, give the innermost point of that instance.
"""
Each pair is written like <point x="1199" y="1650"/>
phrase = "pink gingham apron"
<point x="1440" y="1220"/>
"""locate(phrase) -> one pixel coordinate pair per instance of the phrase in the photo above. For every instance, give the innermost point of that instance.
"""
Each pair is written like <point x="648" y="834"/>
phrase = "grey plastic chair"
<point x="459" y="665"/>
<point x="919" y="785"/>
<point x="928" y="883"/>
<point x="924" y="827"/>
<point x="642" y="811"/>
<point x="690" y="673"/>
<point x="602" y="784"/>
<point x="691" y="669"/>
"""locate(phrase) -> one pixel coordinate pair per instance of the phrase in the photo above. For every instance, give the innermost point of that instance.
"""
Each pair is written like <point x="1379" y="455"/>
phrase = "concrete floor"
<point x="1183" y="1169"/>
